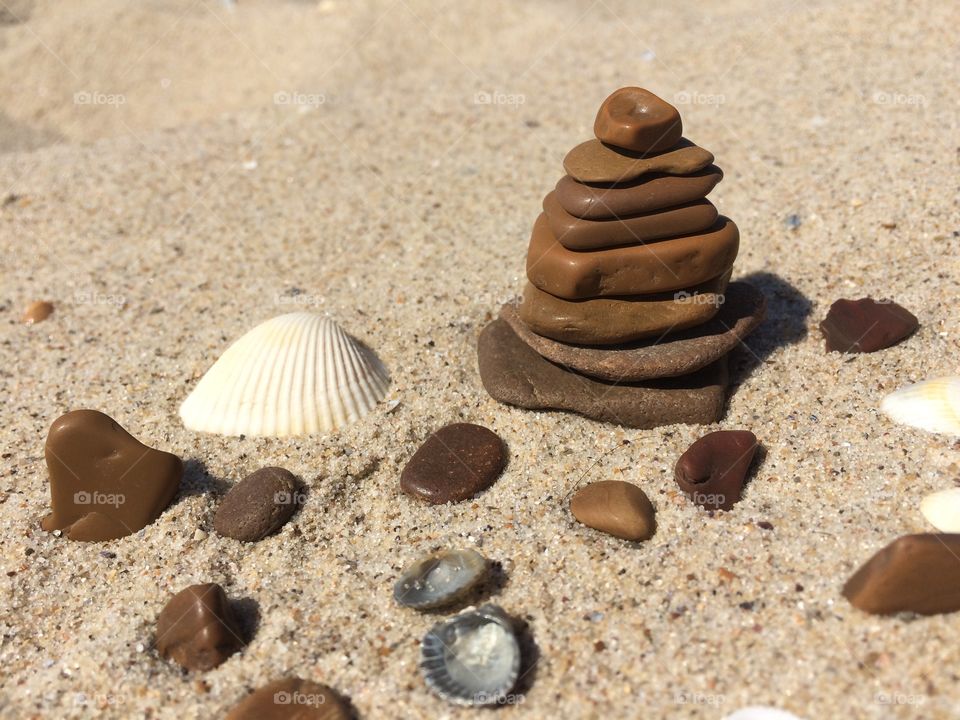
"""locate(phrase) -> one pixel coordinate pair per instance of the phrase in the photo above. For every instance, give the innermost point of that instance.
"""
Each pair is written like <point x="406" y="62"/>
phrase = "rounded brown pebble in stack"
<point x="628" y="255"/>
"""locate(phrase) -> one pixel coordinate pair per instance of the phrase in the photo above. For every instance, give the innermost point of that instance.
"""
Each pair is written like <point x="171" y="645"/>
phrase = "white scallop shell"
<point x="295" y="374"/>
<point x="932" y="405"/>
<point x="942" y="510"/>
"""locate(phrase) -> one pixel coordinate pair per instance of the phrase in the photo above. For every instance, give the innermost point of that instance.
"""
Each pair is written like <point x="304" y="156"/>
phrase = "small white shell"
<point x="472" y="658"/>
<point x="295" y="374"/>
<point x="942" y="510"/>
<point x="439" y="579"/>
<point x="933" y="405"/>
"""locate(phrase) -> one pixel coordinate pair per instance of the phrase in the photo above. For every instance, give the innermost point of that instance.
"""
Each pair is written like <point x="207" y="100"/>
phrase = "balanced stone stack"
<point x="628" y="314"/>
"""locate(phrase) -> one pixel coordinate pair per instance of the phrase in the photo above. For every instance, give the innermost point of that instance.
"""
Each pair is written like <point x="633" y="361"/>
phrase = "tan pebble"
<point x="726" y="575"/>
<point x="37" y="311"/>
<point x="615" y="507"/>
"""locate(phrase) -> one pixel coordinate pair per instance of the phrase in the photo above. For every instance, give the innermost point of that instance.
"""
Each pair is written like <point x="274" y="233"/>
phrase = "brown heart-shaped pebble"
<point x="712" y="470"/>
<point x="258" y="505"/>
<point x="615" y="507"/>
<point x="104" y="483"/>
<point x="636" y="119"/>
<point x="197" y="628"/>
<point x="915" y="573"/>
<point x="865" y="325"/>
<point x="291" y="699"/>
<point x="455" y="463"/>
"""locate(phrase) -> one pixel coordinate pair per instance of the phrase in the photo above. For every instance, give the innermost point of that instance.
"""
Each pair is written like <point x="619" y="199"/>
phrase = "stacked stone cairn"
<point x="628" y="315"/>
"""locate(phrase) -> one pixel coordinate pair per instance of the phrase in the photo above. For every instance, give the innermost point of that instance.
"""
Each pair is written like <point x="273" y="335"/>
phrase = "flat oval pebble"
<point x="594" y="162"/>
<point x="472" y="658"/>
<point x="615" y="507"/>
<point x="37" y="311"/>
<point x="942" y="510"/>
<point x="258" y="505"/>
<point x="453" y="464"/>
<point x="649" y="193"/>
<point x="712" y="470"/>
<point x="197" y="628"/>
<point x="915" y="573"/>
<point x="291" y="699"/>
<point x="865" y="325"/>
<point x="677" y="353"/>
<point x="636" y="119"/>
<point x="440" y="579"/>
<point x="514" y="373"/>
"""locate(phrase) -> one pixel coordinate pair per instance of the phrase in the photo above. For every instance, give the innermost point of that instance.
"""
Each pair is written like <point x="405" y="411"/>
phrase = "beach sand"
<point x="383" y="163"/>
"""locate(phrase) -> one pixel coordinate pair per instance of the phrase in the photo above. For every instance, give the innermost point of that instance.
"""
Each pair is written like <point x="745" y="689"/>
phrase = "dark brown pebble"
<point x="915" y="573"/>
<point x="865" y="325"/>
<point x="712" y="470"/>
<point x="291" y="699"/>
<point x="197" y="628"/>
<point x="258" y="505"/>
<point x="104" y="483"/>
<point x="453" y="464"/>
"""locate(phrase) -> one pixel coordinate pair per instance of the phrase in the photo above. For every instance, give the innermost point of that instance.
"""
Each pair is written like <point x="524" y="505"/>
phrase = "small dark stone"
<point x="258" y="505"/>
<point x="197" y="628"/>
<point x="765" y="525"/>
<point x="915" y="573"/>
<point x="712" y="470"/>
<point x="455" y="463"/>
<point x="865" y="325"/>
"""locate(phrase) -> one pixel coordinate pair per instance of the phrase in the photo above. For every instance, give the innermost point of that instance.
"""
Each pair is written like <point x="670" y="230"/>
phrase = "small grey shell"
<point x="440" y="579"/>
<point x="472" y="658"/>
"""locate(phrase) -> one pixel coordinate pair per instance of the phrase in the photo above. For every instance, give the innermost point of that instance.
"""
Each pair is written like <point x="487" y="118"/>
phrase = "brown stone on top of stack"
<point x="636" y="119"/>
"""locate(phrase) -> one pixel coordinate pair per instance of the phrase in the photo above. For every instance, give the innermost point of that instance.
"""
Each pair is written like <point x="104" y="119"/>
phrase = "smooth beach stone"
<point x="513" y="373"/>
<point x="455" y="463"/>
<point x="651" y="192"/>
<point x="865" y="325"/>
<point x="915" y="573"/>
<point x="291" y="699"/>
<point x="578" y="234"/>
<point x="104" y="483"/>
<point x="615" y="507"/>
<point x="594" y="162"/>
<point x="615" y="320"/>
<point x="258" y="505"/>
<point x="37" y="311"/>
<point x="197" y="628"/>
<point x="712" y="470"/>
<point x="636" y="119"/>
<point x="679" y="353"/>
<point x="633" y="269"/>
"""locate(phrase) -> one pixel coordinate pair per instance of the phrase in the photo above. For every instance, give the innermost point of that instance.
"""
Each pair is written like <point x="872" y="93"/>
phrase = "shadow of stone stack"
<point x="628" y="314"/>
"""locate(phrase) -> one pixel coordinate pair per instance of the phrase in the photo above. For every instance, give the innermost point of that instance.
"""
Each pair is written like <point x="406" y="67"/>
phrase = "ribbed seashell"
<point x="933" y="405"/>
<point x="295" y="374"/>
<point x="942" y="510"/>
<point x="439" y="579"/>
<point x="472" y="658"/>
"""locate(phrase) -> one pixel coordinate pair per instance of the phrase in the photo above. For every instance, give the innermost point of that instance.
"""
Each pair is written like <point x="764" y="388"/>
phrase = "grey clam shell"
<point x="440" y="579"/>
<point x="472" y="658"/>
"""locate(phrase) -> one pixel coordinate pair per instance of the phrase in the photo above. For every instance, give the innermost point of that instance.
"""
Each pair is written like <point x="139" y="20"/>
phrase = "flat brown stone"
<point x="630" y="270"/>
<point x="258" y="505"/>
<point x="594" y="162"/>
<point x="713" y="470"/>
<point x="678" y="353"/>
<point x="615" y="507"/>
<point x="636" y="119"/>
<point x="578" y="234"/>
<point x="513" y="373"/>
<point x="651" y="192"/>
<point x="609" y="321"/>
<point x="104" y="483"/>
<point x="915" y="573"/>
<point x="197" y="628"/>
<point x="291" y="699"/>
<point x="865" y="325"/>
